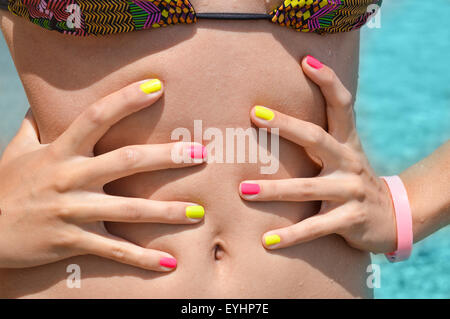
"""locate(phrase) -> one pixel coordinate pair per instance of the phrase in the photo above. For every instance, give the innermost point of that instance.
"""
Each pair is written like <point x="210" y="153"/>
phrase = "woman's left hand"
<point x="356" y="204"/>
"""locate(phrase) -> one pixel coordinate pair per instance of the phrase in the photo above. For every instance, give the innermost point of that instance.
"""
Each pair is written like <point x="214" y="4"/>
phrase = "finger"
<point x="26" y="139"/>
<point x="96" y="120"/>
<point x="309" y="229"/>
<point x="122" y="251"/>
<point x="136" y="210"/>
<point x="299" y="189"/>
<point x="341" y="121"/>
<point x="311" y="136"/>
<point x="135" y="159"/>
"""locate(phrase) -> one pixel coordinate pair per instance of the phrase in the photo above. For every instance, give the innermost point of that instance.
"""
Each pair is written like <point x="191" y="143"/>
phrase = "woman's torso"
<point x="215" y="72"/>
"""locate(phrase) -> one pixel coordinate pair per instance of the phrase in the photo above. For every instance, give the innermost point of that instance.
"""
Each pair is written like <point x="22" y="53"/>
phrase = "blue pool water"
<point x="403" y="114"/>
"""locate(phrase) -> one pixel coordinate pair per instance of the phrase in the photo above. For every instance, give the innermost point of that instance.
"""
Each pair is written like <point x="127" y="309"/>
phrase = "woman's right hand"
<point x="51" y="196"/>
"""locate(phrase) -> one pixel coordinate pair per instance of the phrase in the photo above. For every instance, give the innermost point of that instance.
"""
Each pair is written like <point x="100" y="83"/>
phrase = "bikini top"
<point x="101" y="17"/>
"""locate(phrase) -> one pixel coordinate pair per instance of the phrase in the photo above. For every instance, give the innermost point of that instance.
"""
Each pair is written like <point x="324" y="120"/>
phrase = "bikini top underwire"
<point x="101" y="17"/>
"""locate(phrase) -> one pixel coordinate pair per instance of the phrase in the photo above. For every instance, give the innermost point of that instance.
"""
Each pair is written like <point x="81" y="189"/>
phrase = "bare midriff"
<point x="213" y="71"/>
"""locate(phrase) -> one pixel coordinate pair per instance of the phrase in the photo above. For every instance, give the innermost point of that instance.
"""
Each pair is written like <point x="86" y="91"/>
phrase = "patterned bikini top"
<point x="101" y="17"/>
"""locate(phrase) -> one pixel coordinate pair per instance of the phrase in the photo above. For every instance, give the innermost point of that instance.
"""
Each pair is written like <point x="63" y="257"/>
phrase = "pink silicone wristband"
<point x="403" y="219"/>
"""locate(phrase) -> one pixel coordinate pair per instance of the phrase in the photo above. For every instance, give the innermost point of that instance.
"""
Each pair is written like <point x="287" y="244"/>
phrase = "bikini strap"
<point x="4" y="4"/>
<point x="233" y="16"/>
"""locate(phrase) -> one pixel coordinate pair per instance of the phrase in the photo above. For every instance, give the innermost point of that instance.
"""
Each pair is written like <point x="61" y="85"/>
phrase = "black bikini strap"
<point x="233" y="16"/>
<point x="4" y="4"/>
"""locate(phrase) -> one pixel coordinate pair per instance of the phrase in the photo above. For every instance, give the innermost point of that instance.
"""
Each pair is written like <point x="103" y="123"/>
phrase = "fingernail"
<point x="250" y="189"/>
<point x="168" y="262"/>
<point x="198" y="152"/>
<point x="151" y="86"/>
<point x="272" y="240"/>
<point x="195" y="212"/>
<point x="264" y="113"/>
<point x="313" y="62"/>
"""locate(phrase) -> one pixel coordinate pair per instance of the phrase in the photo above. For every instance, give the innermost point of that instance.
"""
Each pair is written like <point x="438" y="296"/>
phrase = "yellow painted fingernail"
<point x="272" y="240"/>
<point x="151" y="86"/>
<point x="264" y="113"/>
<point x="195" y="212"/>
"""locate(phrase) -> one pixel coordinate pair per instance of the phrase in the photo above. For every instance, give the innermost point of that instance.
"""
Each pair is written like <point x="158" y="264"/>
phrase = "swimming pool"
<point x="403" y="114"/>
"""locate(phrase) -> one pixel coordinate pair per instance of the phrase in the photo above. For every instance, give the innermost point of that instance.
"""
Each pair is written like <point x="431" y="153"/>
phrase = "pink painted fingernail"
<point x="198" y="152"/>
<point x="313" y="62"/>
<point x="168" y="262"/>
<point x="250" y="189"/>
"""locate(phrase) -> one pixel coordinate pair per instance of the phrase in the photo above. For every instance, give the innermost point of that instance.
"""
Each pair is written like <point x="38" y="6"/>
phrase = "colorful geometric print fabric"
<point x="102" y="17"/>
<point x="325" y="16"/>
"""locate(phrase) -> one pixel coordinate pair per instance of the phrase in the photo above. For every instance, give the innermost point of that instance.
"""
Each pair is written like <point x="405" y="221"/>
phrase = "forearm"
<point x="428" y="187"/>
